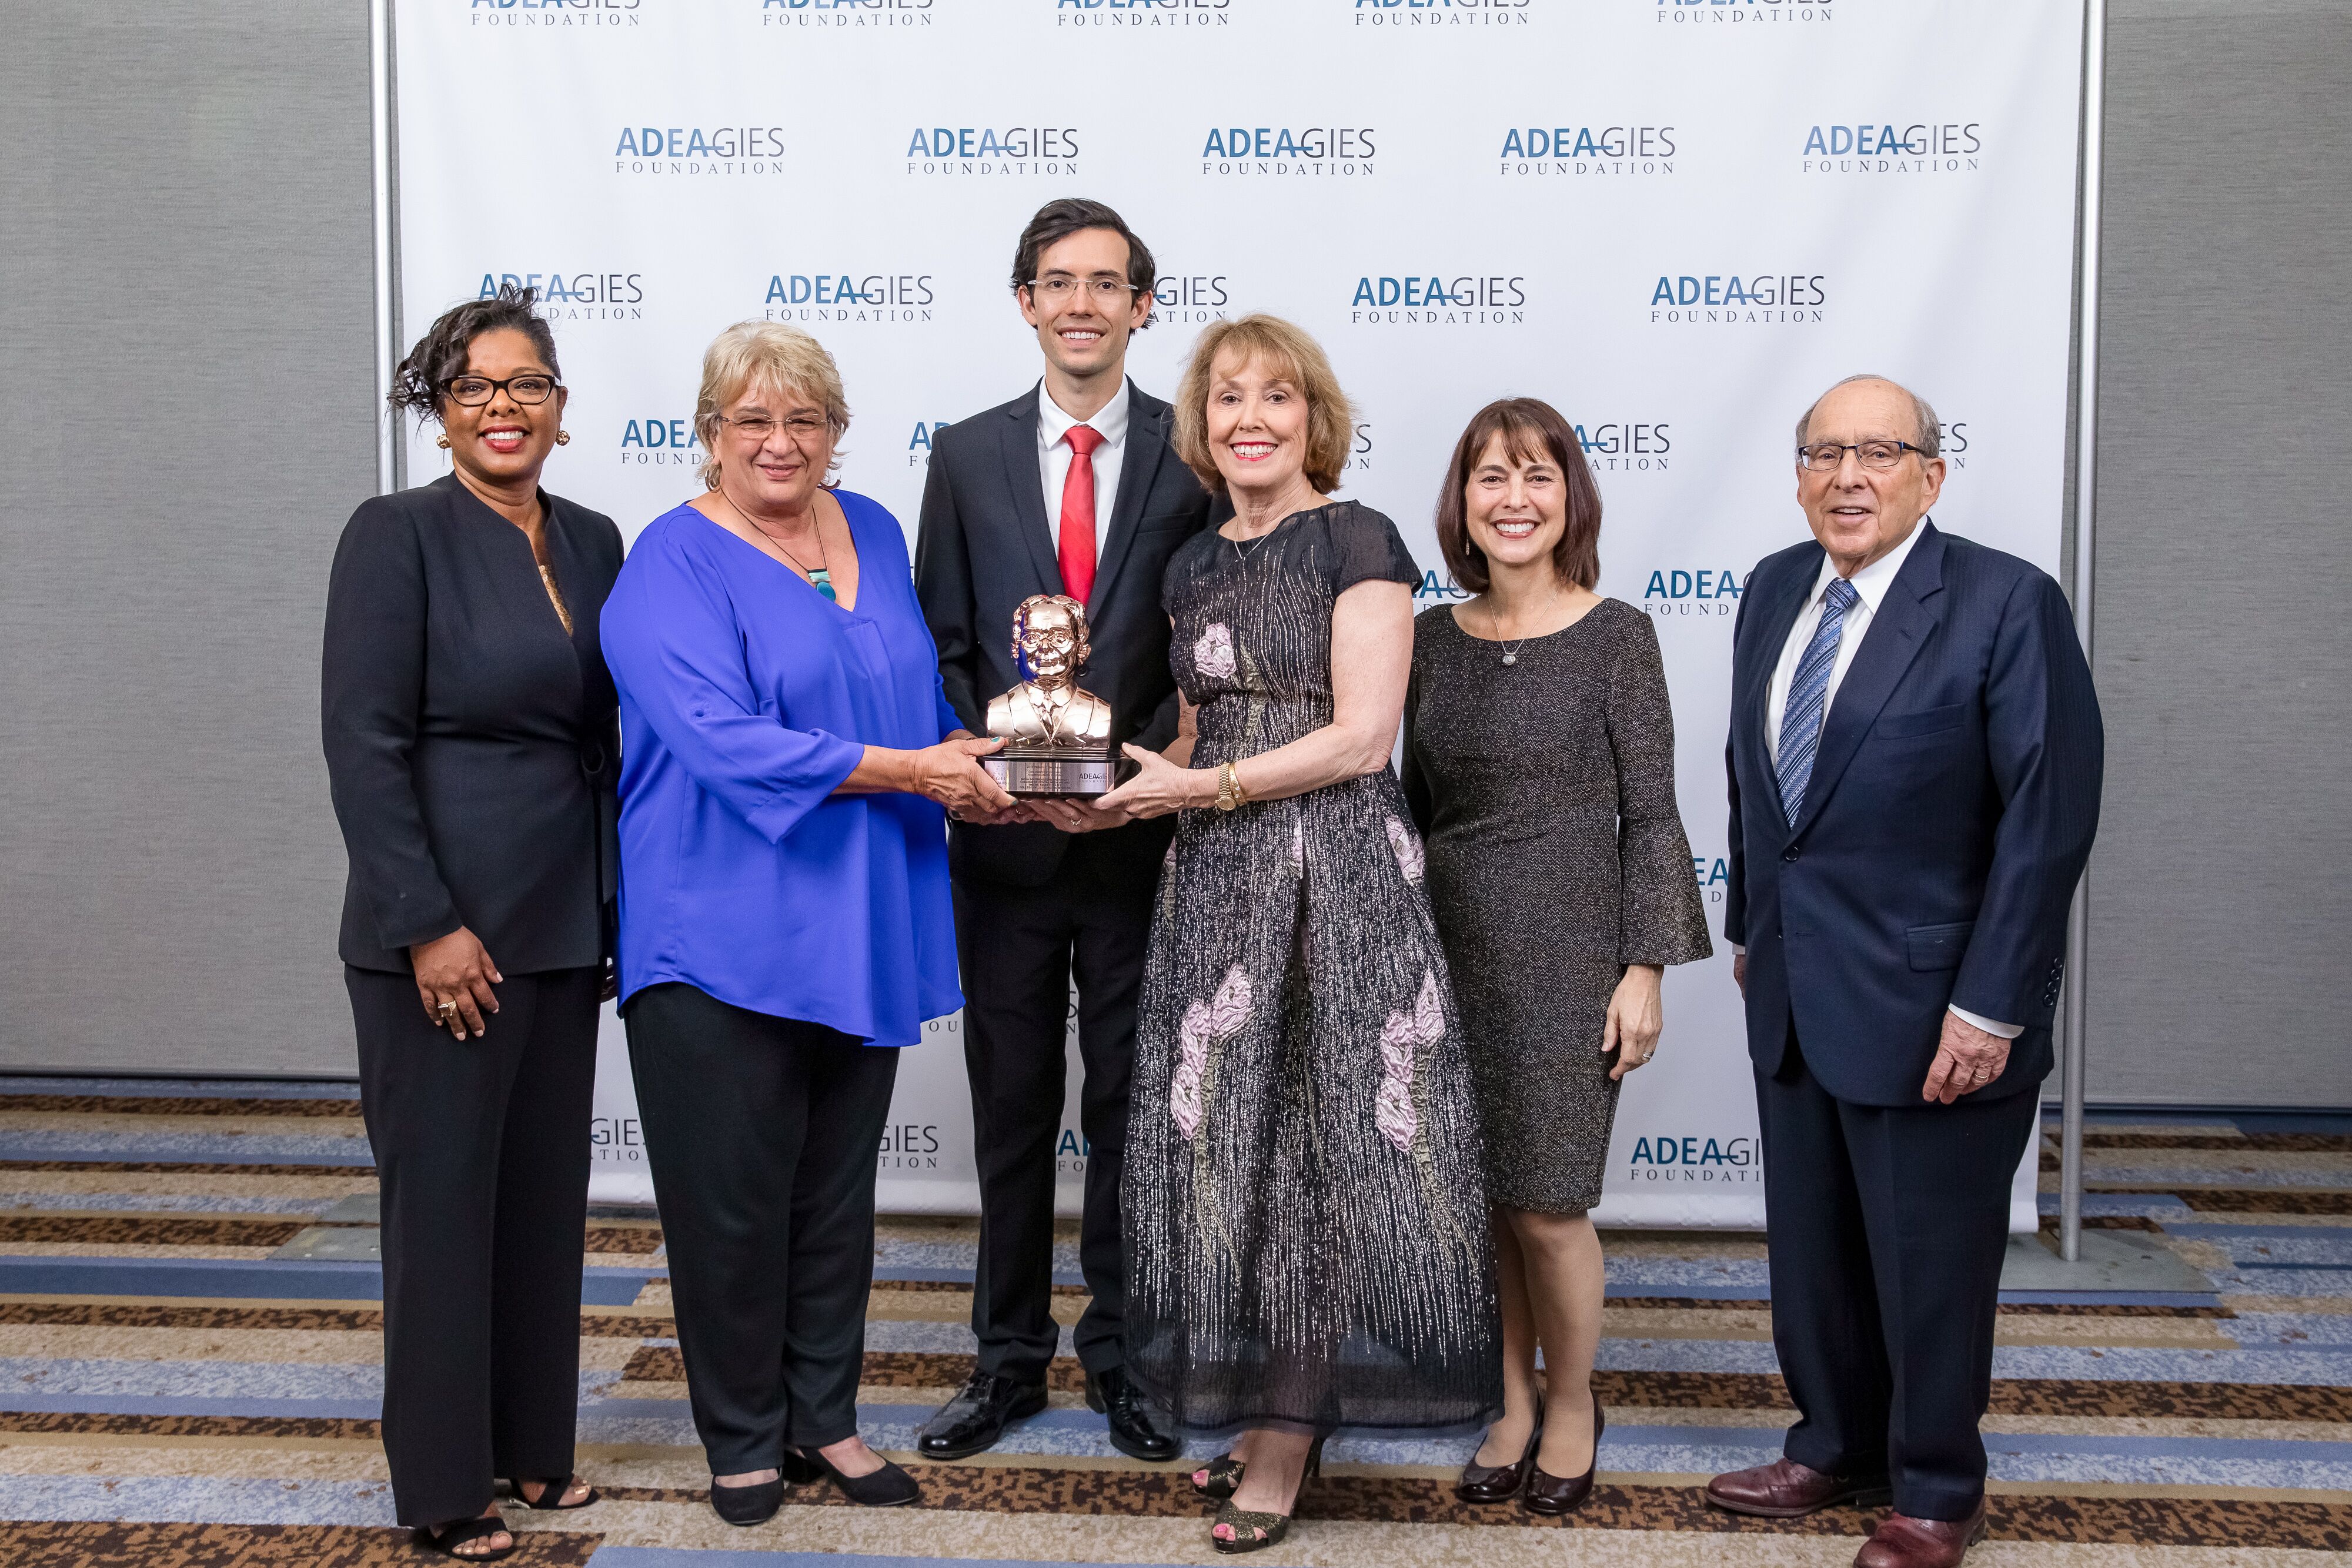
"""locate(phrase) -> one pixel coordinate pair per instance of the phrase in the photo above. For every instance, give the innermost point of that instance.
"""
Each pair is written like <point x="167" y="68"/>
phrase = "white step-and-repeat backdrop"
<point x="1677" y="220"/>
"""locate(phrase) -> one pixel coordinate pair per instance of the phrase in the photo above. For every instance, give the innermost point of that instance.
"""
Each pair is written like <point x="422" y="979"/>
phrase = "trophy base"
<point x="1056" y="772"/>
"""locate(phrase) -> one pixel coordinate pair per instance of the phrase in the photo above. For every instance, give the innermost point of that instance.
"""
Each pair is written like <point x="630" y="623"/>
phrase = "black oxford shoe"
<point x="976" y="1417"/>
<point x="1132" y="1431"/>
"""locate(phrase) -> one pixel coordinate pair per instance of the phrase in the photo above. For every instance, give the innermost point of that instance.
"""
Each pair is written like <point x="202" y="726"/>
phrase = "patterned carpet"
<point x="174" y="1395"/>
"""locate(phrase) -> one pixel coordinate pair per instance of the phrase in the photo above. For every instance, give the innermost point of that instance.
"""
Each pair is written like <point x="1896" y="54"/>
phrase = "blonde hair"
<point x="770" y="354"/>
<point x="1288" y="352"/>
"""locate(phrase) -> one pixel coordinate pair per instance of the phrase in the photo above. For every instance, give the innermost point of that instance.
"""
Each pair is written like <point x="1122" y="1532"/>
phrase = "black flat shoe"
<point x="1132" y="1431"/>
<point x="1550" y="1494"/>
<point x="1499" y="1483"/>
<point x="888" y="1487"/>
<point x="745" y="1506"/>
<point x="976" y="1417"/>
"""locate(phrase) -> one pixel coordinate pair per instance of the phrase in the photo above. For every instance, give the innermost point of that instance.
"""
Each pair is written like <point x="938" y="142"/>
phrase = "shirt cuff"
<point x="1738" y="948"/>
<point x="2006" y="1030"/>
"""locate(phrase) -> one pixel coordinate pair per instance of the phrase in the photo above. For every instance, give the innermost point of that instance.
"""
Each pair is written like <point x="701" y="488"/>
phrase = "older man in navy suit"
<point x="1914" y="759"/>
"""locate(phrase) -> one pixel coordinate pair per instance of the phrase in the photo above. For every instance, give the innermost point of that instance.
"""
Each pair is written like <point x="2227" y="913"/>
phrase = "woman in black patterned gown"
<point x="1305" y="1210"/>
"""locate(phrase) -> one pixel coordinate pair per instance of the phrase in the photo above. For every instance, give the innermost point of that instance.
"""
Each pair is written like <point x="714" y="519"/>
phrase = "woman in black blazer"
<point x="471" y="744"/>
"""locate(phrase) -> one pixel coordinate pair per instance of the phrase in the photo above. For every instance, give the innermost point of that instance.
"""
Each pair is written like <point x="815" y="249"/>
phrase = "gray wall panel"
<point x="185" y="321"/>
<point x="2222" y="890"/>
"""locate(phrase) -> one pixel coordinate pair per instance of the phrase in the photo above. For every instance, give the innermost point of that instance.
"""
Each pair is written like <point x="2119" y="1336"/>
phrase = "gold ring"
<point x="447" y="1009"/>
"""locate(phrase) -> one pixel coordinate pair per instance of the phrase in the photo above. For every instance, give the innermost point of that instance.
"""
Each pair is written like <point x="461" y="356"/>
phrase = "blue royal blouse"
<point x="747" y="697"/>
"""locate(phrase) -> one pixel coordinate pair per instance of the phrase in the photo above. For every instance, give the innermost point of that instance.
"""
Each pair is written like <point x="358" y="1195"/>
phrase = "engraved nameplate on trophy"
<point x="1057" y="736"/>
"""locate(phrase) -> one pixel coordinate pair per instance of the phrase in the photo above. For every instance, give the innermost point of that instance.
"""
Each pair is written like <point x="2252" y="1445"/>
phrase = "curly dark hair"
<point x="440" y="354"/>
<point x="1058" y="220"/>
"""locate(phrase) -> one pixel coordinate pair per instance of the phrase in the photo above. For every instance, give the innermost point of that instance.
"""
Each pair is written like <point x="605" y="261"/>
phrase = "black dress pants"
<point x="481" y="1154"/>
<point x="1020" y="947"/>
<point x="1886" y="1231"/>
<point x="763" y="1134"/>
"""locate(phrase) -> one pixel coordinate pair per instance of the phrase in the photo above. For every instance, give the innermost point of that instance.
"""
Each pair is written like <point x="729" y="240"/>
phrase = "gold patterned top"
<point x="555" y="597"/>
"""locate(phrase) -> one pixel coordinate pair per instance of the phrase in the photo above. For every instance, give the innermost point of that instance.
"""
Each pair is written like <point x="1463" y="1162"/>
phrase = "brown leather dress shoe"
<point x="1787" y="1490"/>
<point x="1903" y="1541"/>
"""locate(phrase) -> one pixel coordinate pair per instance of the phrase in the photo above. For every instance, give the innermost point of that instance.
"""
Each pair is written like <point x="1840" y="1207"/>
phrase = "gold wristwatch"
<point x="1229" y="788"/>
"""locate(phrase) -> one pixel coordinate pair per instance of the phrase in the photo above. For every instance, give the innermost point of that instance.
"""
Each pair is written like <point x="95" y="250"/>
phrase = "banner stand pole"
<point x="2074" y="1080"/>
<point x="389" y="424"/>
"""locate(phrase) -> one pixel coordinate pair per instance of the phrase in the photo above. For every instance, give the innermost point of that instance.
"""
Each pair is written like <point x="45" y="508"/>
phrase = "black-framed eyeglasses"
<point x="473" y="392"/>
<point x="1107" y="290"/>
<point x="1828" y="456"/>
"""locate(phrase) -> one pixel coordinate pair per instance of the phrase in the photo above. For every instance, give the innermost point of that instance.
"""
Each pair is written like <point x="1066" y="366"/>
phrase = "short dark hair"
<point x="440" y="354"/>
<point x="1532" y="430"/>
<point x="1057" y="220"/>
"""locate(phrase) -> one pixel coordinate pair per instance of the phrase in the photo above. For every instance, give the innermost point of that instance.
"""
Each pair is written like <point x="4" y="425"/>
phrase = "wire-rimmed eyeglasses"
<point x="1828" y="456"/>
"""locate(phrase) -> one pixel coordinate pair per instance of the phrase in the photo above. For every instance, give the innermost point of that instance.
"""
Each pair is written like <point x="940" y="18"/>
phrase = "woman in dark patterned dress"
<point x="1539" y="760"/>
<point x="1303" y="1205"/>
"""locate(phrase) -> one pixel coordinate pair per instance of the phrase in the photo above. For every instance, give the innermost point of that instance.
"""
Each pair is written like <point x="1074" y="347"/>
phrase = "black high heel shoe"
<point x="1253" y="1532"/>
<point x="1550" y="1494"/>
<point x="890" y="1487"/>
<point x="1500" y="1483"/>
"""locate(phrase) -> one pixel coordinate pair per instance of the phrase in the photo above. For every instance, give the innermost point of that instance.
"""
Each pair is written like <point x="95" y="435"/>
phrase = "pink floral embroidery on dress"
<point x="1205" y="1023"/>
<point x="1212" y="655"/>
<point x="1406" y="844"/>
<point x="1392" y="1108"/>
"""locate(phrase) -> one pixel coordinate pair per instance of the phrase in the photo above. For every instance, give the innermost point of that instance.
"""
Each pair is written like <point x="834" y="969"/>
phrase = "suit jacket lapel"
<point x="1751" y="704"/>
<point x="1147" y="445"/>
<point x="1895" y="634"/>
<point x="1029" y="491"/>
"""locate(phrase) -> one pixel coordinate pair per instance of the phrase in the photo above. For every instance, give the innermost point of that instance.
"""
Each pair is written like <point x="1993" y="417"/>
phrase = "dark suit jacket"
<point x="986" y="546"/>
<point x="1950" y="810"/>
<point x="471" y="747"/>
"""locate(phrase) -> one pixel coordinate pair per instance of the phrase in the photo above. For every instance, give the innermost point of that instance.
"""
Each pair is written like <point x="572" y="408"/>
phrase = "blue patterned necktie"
<point x="1801" y="725"/>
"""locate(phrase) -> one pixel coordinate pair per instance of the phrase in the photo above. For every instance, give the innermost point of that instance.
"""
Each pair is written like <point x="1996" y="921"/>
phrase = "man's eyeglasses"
<point x="1056" y="289"/>
<point x="803" y="428"/>
<point x="1828" y="456"/>
<point x="473" y="392"/>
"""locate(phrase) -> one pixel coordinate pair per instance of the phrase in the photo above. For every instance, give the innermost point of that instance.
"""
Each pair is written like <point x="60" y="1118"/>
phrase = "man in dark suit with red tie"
<point x="1072" y="487"/>
<point x="1915" y="755"/>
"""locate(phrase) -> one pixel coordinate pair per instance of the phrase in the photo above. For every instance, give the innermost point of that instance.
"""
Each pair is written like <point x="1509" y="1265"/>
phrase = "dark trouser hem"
<point x="1021" y="948"/>
<point x="481" y="1149"/>
<point x="1886" y="1227"/>
<point x="761" y="1132"/>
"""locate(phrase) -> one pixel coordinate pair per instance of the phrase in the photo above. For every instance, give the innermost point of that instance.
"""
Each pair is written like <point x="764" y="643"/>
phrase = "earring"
<point x="563" y="438"/>
<point x="442" y="442"/>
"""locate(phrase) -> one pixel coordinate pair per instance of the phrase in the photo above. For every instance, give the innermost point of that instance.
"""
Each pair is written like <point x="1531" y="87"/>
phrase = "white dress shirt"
<point x="1870" y="585"/>
<point x="1110" y="421"/>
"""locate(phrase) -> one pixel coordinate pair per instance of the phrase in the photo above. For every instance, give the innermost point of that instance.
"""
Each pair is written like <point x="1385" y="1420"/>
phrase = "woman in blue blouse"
<point x="786" y="753"/>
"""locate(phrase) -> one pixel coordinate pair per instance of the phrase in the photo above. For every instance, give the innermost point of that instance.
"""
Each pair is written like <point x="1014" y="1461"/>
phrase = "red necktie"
<point x="1078" y="544"/>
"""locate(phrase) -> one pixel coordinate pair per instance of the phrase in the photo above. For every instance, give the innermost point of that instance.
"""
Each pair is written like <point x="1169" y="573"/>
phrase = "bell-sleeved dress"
<point x="1545" y="791"/>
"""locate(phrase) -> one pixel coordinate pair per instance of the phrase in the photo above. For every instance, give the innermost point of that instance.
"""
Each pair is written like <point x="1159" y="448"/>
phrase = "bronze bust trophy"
<point x="1057" y="736"/>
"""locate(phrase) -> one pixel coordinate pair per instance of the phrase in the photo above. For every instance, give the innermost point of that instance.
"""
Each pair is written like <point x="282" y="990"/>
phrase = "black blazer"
<point x="986" y="546"/>
<point x="471" y="747"/>
<point x="1950" y="810"/>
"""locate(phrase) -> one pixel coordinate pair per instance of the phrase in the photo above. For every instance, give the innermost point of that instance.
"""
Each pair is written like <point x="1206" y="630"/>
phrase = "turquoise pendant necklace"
<point x="821" y="577"/>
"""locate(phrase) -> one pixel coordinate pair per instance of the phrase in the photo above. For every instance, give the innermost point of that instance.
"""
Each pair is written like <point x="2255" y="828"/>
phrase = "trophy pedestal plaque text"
<point x="1056" y="737"/>
<point x="1069" y="771"/>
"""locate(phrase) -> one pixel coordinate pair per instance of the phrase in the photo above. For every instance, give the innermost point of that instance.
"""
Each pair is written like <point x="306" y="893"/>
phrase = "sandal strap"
<point x="447" y="1538"/>
<point x="1243" y="1519"/>
<point x="551" y="1493"/>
